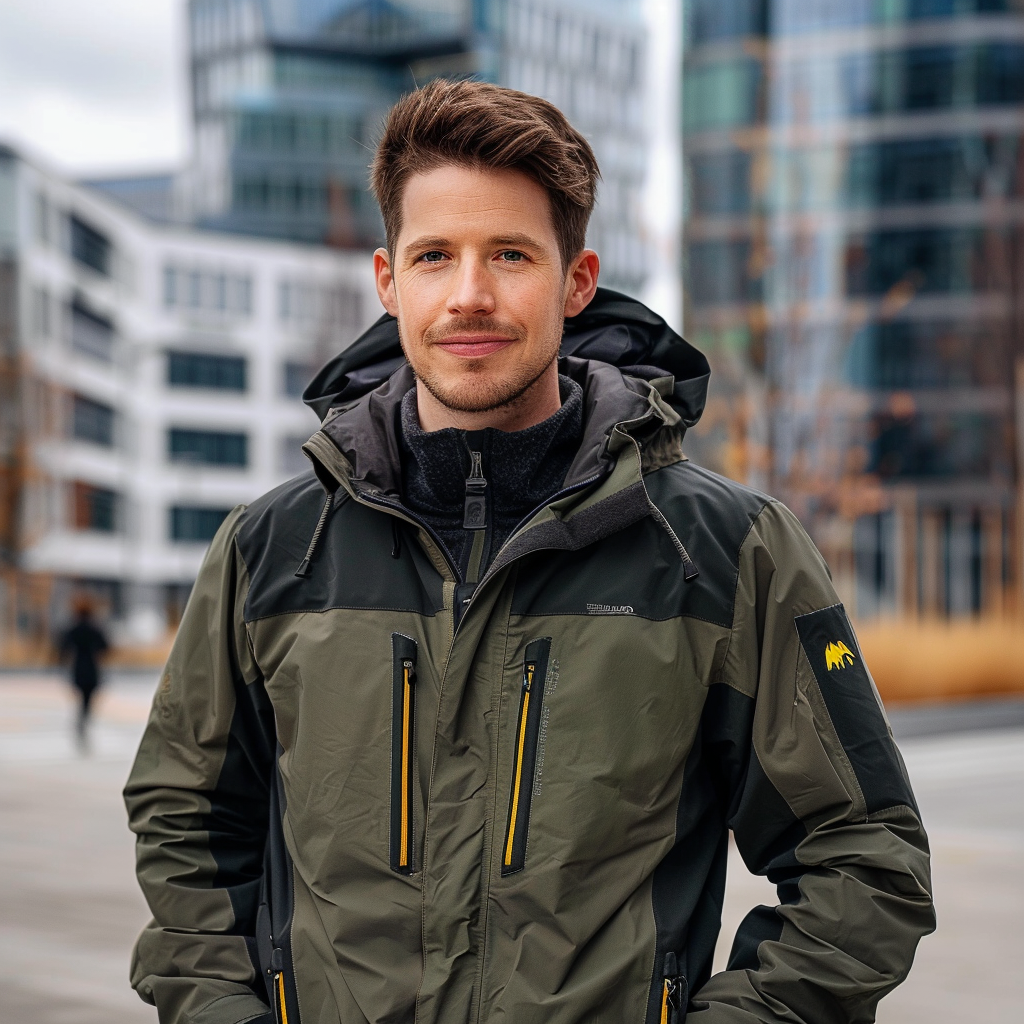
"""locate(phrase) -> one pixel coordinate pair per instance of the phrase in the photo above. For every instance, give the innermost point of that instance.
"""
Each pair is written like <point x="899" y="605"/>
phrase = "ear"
<point x="581" y="282"/>
<point x="385" y="281"/>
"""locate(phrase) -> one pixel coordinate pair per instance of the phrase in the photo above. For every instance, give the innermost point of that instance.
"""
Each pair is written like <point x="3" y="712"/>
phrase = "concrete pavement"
<point x="71" y="909"/>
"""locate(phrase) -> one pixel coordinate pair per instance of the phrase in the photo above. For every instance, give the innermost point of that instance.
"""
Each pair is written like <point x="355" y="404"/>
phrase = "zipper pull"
<point x="675" y="994"/>
<point x="528" y="677"/>
<point x="410" y="671"/>
<point x="475" y="517"/>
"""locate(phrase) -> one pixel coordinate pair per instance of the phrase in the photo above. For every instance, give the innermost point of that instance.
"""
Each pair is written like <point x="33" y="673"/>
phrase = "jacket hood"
<point x="613" y="329"/>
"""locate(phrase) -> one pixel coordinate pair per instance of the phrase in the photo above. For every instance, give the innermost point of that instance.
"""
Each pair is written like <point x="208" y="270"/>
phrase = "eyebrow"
<point x="427" y="242"/>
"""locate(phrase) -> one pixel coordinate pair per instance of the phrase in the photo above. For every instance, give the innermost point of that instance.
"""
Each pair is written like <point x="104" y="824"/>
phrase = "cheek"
<point x="420" y="303"/>
<point x="535" y="299"/>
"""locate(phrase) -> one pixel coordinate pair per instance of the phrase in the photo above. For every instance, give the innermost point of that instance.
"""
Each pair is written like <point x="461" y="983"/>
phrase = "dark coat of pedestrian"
<point x="84" y="643"/>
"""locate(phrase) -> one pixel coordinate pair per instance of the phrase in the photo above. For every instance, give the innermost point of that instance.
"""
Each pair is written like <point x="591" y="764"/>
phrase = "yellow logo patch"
<point x="836" y="655"/>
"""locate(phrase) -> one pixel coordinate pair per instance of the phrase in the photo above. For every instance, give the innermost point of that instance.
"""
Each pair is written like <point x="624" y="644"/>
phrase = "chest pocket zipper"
<point x="403" y="749"/>
<point x="524" y="764"/>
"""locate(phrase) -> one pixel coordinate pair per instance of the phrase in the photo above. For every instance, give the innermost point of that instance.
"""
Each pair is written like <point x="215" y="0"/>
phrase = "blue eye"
<point x="434" y="256"/>
<point x="511" y="256"/>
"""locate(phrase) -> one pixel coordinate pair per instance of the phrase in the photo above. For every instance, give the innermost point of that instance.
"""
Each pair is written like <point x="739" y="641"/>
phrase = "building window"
<point x="195" y="524"/>
<point x="194" y="288"/>
<point x="919" y="261"/>
<point x="42" y="219"/>
<point x="90" y="247"/>
<point x="207" y="447"/>
<point x="721" y="272"/>
<point x="945" y="445"/>
<point x="334" y="307"/>
<point x="94" y="508"/>
<point x="170" y="287"/>
<point x="220" y="291"/>
<point x="92" y="422"/>
<point x="41" y="312"/>
<point x="201" y="370"/>
<point x="720" y="182"/>
<point x="296" y="377"/>
<point x="91" y="332"/>
<point x="722" y="96"/>
<point x="243" y="294"/>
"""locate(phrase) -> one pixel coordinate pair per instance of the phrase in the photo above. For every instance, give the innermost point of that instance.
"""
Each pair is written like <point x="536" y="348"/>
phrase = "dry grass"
<point x="933" y="660"/>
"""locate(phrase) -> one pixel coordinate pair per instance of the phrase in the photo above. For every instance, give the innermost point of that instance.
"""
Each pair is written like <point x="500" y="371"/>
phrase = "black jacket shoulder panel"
<point x="352" y="566"/>
<point x="711" y="515"/>
<point x="637" y="570"/>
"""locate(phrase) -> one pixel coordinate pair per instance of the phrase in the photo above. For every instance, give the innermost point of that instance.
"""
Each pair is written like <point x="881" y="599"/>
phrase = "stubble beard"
<point x="474" y="392"/>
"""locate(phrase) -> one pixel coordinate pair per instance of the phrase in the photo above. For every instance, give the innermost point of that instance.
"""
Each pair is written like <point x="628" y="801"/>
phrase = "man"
<point x="456" y="726"/>
<point x="84" y="644"/>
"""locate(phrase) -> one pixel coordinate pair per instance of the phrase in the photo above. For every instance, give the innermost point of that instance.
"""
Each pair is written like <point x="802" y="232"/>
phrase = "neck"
<point x="537" y="403"/>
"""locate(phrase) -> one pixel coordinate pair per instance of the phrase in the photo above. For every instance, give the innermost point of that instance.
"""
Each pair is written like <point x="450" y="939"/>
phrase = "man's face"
<point x="478" y="286"/>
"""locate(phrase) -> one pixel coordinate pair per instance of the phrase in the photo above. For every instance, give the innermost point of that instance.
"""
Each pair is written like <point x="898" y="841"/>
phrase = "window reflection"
<point x="855" y="177"/>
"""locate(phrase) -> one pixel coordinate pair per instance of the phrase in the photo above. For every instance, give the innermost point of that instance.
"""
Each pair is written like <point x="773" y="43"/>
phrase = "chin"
<point x="474" y="394"/>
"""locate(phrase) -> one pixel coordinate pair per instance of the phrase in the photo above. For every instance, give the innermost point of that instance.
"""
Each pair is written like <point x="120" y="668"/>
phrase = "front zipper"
<point x="675" y="993"/>
<point x="474" y="515"/>
<point x="524" y="763"/>
<point x="403" y="749"/>
<point x="395" y="508"/>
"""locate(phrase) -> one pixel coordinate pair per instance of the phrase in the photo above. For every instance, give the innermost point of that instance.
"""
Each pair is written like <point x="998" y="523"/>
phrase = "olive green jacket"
<point x="354" y="805"/>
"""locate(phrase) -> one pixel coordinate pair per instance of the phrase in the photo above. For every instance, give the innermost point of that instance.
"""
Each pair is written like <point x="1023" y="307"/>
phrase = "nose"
<point x="472" y="292"/>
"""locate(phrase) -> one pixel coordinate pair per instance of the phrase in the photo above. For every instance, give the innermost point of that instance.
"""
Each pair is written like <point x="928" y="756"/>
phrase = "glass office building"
<point x="854" y="253"/>
<point x="288" y="96"/>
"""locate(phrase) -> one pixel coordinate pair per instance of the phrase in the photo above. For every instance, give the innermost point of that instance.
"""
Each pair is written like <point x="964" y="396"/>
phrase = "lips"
<point x="474" y="348"/>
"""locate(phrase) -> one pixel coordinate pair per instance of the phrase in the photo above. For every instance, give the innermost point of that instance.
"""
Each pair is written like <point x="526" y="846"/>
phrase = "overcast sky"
<point x="94" y="85"/>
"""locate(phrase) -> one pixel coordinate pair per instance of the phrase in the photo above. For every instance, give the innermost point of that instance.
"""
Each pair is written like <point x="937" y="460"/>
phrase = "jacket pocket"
<point x="675" y="993"/>
<point x="403" y="749"/>
<point x="524" y="763"/>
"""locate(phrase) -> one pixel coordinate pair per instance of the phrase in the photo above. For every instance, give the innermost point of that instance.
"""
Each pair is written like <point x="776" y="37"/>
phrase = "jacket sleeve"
<point x="818" y="800"/>
<point x="197" y="800"/>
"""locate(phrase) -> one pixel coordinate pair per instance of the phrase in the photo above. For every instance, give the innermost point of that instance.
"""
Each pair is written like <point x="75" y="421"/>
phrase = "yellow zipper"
<point x="521" y="746"/>
<point x="282" y="1006"/>
<point x="664" y="1003"/>
<point x="403" y="856"/>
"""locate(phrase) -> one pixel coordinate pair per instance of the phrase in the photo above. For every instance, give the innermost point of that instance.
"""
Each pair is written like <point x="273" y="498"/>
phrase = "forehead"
<point x="454" y="200"/>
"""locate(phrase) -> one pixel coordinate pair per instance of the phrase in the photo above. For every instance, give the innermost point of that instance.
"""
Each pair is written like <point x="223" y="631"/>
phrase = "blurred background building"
<point x="149" y="382"/>
<point x="287" y="97"/>
<point x="157" y="330"/>
<point x="854" y="259"/>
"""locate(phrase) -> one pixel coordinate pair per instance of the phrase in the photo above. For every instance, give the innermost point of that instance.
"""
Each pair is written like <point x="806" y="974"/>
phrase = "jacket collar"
<point x="357" y="447"/>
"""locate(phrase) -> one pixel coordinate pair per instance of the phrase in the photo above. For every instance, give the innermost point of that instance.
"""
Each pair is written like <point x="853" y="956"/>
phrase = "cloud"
<point x="94" y="86"/>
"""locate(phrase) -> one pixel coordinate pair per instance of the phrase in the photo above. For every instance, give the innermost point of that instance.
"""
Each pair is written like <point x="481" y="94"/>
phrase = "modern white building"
<point x="149" y="381"/>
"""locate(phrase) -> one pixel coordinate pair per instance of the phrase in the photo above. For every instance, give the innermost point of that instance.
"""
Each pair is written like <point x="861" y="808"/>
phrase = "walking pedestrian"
<point x="457" y="725"/>
<point x="84" y="643"/>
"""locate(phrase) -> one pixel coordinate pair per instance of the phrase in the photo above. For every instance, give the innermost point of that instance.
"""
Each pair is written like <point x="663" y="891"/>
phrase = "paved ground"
<point x="71" y="909"/>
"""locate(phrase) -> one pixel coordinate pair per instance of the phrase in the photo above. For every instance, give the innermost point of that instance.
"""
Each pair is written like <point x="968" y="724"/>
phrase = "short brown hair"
<point x="482" y="125"/>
